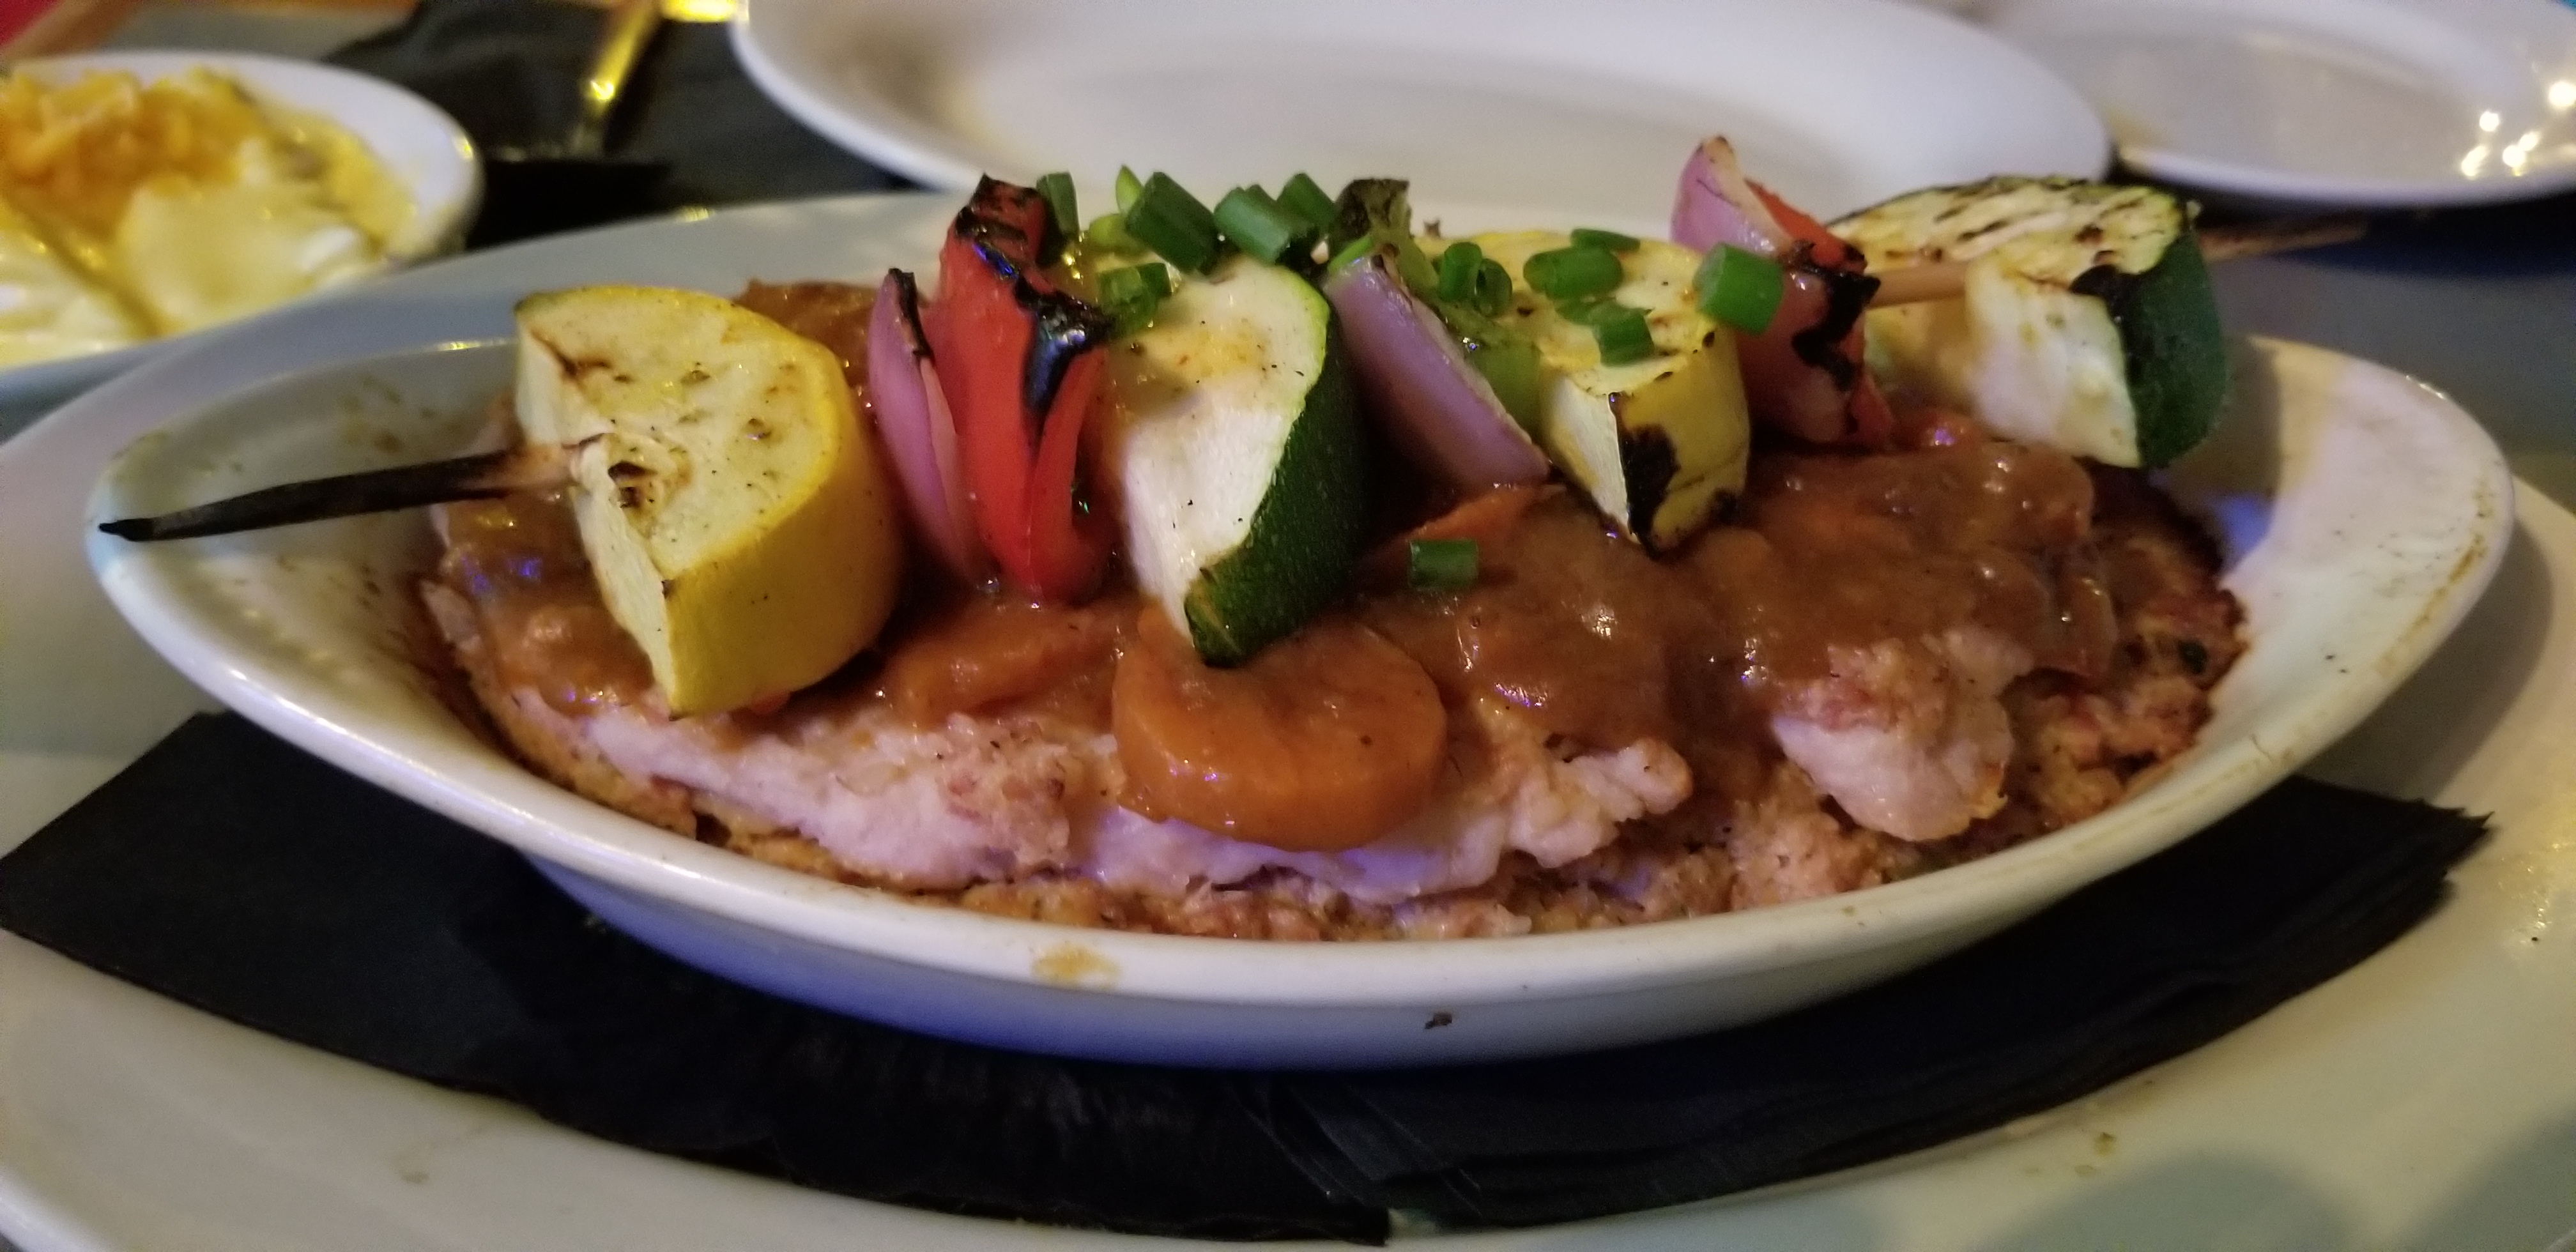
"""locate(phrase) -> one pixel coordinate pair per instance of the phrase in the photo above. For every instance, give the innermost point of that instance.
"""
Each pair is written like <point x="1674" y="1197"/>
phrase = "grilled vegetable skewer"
<point x="487" y="475"/>
<point x="2071" y="314"/>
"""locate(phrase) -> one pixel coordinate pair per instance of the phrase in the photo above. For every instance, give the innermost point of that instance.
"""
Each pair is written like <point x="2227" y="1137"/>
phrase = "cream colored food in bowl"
<point x="146" y="196"/>
<point x="132" y="209"/>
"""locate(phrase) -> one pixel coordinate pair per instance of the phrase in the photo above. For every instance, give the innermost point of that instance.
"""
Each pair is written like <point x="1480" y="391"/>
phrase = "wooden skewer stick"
<point x="480" y="477"/>
<point x="1918" y="283"/>
<point x="2229" y="243"/>
<point x="1942" y="280"/>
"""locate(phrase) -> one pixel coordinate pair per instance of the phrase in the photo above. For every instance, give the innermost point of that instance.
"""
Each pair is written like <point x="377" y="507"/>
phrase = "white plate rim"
<point x="538" y="818"/>
<point x="2270" y="185"/>
<point x="937" y="161"/>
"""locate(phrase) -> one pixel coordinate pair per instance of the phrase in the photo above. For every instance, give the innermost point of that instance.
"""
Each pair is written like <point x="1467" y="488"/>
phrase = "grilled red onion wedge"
<point x="920" y="436"/>
<point x="1436" y="406"/>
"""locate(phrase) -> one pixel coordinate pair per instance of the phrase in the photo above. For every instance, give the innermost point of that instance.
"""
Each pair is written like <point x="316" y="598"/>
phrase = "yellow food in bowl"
<point x="130" y="209"/>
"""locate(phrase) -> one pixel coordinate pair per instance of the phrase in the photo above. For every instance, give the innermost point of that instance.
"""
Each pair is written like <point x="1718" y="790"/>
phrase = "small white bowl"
<point x="419" y="145"/>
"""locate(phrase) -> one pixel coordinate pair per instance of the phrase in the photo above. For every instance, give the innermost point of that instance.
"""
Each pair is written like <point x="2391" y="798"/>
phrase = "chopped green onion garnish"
<point x="1403" y="260"/>
<point x="1740" y="288"/>
<point x="1127" y="188"/>
<point x="1511" y="367"/>
<point x="1622" y="335"/>
<point x="1108" y="233"/>
<point x="1171" y="221"/>
<point x="1606" y="240"/>
<point x="1420" y="276"/>
<point x="1440" y="564"/>
<point x="1458" y="268"/>
<point x="1150" y="281"/>
<point x="1563" y="274"/>
<point x="1493" y="288"/>
<point x="1505" y="355"/>
<point x="1589" y="312"/>
<point x="1132" y="294"/>
<point x="1058" y="190"/>
<point x="1256" y="224"/>
<point x="1300" y="195"/>
<point x="1374" y="209"/>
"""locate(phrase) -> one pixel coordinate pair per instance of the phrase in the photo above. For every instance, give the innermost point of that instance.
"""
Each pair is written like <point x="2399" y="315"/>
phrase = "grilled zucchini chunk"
<point x="2088" y="323"/>
<point x="1233" y="442"/>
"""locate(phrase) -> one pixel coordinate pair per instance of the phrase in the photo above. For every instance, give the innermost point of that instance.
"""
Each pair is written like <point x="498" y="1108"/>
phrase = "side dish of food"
<point x="135" y="209"/>
<point x="146" y="196"/>
<point x="1277" y="570"/>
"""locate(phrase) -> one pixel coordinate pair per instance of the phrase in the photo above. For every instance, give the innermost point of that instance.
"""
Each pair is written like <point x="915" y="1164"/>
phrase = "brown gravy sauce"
<point x="1599" y="642"/>
<point x="519" y="561"/>
<point x="988" y="649"/>
<point x="834" y="315"/>
<point x="1604" y="645"/>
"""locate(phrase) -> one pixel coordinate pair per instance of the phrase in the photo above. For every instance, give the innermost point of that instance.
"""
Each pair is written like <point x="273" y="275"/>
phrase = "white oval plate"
<point x="2324" y="103"/>
<point x="134" y="1122"/>
<point x="1587" y="110"/>
<point x="2363" y="514"/>
<point x="419" y="145"/>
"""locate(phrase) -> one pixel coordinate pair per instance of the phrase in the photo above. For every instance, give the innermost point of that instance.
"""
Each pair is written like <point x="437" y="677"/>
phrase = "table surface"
<point x="2478" y="303"/>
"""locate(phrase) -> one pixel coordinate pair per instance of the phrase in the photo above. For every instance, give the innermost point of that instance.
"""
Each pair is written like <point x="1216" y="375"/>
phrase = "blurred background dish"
<point x="336" y="177"/>
<point x="1574" y="110"/>
<point x="2354" y="103"/>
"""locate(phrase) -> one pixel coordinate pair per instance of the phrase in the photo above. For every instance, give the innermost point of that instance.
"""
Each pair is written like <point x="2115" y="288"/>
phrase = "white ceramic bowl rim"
<point x="560" y="827"/>
<point x="1921" y="97"/>
<point x="485" y="790"/>
<point x="2505" y="62"/>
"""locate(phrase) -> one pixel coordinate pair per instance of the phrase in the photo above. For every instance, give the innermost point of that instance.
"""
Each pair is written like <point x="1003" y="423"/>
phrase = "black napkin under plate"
<point x="233" y="872"/>
<point x="509" y="72"/>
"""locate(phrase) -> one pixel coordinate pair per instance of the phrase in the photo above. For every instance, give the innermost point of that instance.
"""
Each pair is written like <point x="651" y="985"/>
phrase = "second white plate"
<point x="2359" y="103"/>
<point x="1582" y="109"/>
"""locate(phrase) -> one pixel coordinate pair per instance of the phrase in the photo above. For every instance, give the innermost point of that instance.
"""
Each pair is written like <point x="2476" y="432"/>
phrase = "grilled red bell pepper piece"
<point x="1021" y="364"/>
<point x="1804" y="373"/>
<point x="1839" y="355"/>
